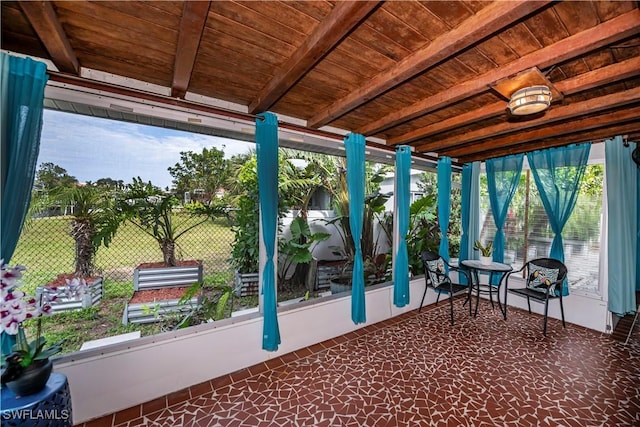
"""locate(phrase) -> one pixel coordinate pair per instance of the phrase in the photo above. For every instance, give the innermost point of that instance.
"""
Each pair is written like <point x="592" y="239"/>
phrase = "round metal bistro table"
<point x="493" y="268"/>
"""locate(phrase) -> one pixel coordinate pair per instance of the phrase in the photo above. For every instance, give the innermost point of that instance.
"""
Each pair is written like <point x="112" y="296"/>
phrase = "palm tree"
<point x="151" y="210"/>
<point x="90" y="209"/>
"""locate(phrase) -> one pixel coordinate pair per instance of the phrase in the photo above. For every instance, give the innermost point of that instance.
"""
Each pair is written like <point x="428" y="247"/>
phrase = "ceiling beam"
<point x="609" y="74"/>
<point x="487" y="21"/>
<point x="486" y="112"/>
<point x="45" y="22"/>
<point x="602" y="76"/>
<point x="558" y="130"/>
<point x="590" y="135"/>
<point x="194" y="17"/>
<point x="561" y="113"/>
<point x="571" y="47"/>
<point x="344" y="17"/>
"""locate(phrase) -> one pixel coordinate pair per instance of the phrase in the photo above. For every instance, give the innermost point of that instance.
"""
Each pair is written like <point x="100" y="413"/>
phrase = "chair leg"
<point x="546" y="310"/>
<point x="438" y="297"/>
<point x="451" y="303"/>
<point x="529" y="304"/>
<point x="423" y="295"/>
<point x="506" y="292"/>
<point x="635" y="320"/>
<point x="491" y="290"/>
<point x="562" y="311"/>
<point x="477" y="280"/>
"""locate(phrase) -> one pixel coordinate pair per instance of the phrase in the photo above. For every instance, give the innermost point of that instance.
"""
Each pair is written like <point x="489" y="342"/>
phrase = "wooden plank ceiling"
<point x="435" y="75"/>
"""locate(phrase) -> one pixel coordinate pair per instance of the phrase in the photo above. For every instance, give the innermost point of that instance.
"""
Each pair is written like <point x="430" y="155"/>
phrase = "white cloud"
<point x="91" y="148"/>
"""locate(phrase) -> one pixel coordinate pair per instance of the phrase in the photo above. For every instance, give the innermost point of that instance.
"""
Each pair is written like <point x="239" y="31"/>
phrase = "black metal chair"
<point x="544" y="277"/>
<point x="436" y="277"/>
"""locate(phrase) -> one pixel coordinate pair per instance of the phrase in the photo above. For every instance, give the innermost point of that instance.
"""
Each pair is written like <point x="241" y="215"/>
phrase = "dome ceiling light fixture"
<point x="530" y="100"/>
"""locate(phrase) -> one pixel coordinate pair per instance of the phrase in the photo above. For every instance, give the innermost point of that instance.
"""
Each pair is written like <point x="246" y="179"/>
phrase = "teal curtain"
<point x="622" y="210"/>
<point x="403" y="193"/>
<point x="355" y="145"/>
<point x="466" y="215"/>
<point x="557" y="173"/>
<point x="503" y="176"/>
<point x="22" y="83"/>
<point x="474" y="208"/>
<point x="444" y="203"/>
<point x="267" y="155"/>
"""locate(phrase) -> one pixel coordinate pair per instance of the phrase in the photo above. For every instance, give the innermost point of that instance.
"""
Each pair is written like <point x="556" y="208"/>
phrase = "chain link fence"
<point x="46" y="248"/>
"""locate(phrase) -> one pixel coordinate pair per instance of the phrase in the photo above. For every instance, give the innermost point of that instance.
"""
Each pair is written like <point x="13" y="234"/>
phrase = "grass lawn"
<point x="46" y="249"/>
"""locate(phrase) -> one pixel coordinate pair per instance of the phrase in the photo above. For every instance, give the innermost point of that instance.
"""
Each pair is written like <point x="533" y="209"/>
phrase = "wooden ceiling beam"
<point x="46" y="24"/>
<point x="600" y="77"/>
<point x="557" y="114"/>
<point x="558" y="130"/>
<point x="487" y="21"/>
<point x="579" y="137"/>
<point x="611" y="31"/>
<point x="609" y="74"/>
<point x="344" y="17"/>
<point x="487" y="112"/>
<point x="194" y="17"/>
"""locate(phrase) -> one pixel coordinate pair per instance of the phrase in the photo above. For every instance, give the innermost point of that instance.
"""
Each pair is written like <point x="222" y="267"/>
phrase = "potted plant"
<point x="485" y="251"/>
<point x="27" y="366"/>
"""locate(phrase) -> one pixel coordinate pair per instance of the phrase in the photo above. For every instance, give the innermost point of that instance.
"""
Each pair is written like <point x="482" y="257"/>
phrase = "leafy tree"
<point x="50" y="175"/>
<point x="207" y="170"/>
<point x="374" y="203"/>
<point x="424" y="232"/>
<point x="301" y="175"/>
<point x="294" y="188"/>
<point x="296" y="185"/>
<point x="429" y="184"/>
<point x="151" y="210"/>
<point x="110" y="184"/>
<point x="245" y="252"/>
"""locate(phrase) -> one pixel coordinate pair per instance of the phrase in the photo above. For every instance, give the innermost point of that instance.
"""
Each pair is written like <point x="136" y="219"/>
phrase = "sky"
<point x="90" y="148"/>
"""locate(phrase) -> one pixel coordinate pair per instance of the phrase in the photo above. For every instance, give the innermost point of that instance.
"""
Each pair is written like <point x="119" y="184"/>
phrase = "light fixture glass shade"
<point x="530" y="100"/>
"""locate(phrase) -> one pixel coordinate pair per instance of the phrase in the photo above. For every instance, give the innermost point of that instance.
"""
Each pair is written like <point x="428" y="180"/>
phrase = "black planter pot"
<point x="33" y="378"/>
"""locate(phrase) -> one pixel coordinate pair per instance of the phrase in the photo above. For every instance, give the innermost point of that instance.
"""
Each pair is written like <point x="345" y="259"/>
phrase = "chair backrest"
<point x="542" y="272"/>
<point x="434" y="268"/>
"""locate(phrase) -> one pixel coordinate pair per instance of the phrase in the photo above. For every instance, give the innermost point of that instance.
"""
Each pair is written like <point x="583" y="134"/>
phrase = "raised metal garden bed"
<point x="159" y="277"/>
<point x="153" y="311"/>
<point x="246" y="284"/>
<point x="147" y="278"/>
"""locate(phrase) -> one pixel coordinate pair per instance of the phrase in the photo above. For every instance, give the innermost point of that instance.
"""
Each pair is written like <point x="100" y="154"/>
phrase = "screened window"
<point x="528" y="233"/>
